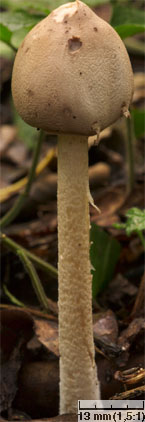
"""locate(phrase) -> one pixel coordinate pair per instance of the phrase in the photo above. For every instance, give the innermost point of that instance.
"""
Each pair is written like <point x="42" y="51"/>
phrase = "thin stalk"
<point x="18" y="205"/>
<point x="32" y="311"/>
<point x="14" y="247"/>
<point x="36" y="283"/>
<point x="11" y="46"/>
<point x="12" y="298"/>
<point x="139" y="302"/>
<point x="130" y="155"/>
<point x="15" y="187"/>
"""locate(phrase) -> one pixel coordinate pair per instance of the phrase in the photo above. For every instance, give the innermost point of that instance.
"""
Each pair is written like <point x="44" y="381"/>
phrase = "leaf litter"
<point x="31" y="347"/>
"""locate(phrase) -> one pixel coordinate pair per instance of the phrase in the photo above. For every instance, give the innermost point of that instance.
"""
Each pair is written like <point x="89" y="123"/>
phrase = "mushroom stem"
<point x="78" y="373"/>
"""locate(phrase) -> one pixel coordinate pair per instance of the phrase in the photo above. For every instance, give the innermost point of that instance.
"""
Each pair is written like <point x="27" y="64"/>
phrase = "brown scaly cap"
<point x="72" y="73"/>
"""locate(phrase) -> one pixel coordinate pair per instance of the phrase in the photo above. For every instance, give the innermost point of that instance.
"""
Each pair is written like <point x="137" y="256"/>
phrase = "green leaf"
<point x="5" y="34"/>
<point x="53" y="4"/>
<point x="104" y="254"/>
<point x="135" y="221"/>
<point x="26" y="133"/>
<point x="18" y="36"/>
<point x="35" y="5"/>
<point x="44" y="5"/>
<point x="93" y="3"/>
<point x="127" y="21"/>
<point x="6" y="50"/>
<point x="15" y="25"/>
<point x="17" y="20"/>
<point x="127" y="30"/>
<point x="139" y="122"/>
<point x="119" y="226"/>
<point x="126" y="15"/>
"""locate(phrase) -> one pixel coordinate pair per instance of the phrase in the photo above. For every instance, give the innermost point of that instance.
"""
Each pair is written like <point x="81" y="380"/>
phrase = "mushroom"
<point x="72" y="77"/>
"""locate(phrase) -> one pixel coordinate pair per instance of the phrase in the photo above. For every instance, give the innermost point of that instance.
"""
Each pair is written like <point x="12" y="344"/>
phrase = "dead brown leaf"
<point x="9" y="374"/>
<point x="106" y="326"/>
<point x="7" y="136"/>
<point x="38" y="392"/>
<point x="109" y="201"/>
<point x="119" y="291"/>
<point x="17" y="153"/>
<point x="129" y="335"/>
<point x="130" y="376"/>
<point x="17" y="326"/>
<point x="47" y="333"/>
<point x="135" y="393"/>
<point x="16" y="331"/>
<point x="10" y="173"/>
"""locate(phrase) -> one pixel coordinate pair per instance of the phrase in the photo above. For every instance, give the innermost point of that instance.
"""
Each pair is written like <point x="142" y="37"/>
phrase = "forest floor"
<point x="29" y="342"/>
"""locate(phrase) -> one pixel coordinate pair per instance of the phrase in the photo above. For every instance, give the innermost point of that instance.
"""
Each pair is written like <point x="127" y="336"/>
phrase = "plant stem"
<point x="138" y="305"/>
<point x="44" y="266"/>
<point x="8" y="43"/>
<point x="130" y="155"/>
<point x="15" y="187"/>
<point x="12" y="298"/>
<point x="36" y="283"/>
<point x="14" y="211"/>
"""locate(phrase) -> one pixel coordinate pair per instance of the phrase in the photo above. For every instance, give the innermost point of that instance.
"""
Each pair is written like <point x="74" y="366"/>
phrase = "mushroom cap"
<point x="72" y="73"/>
